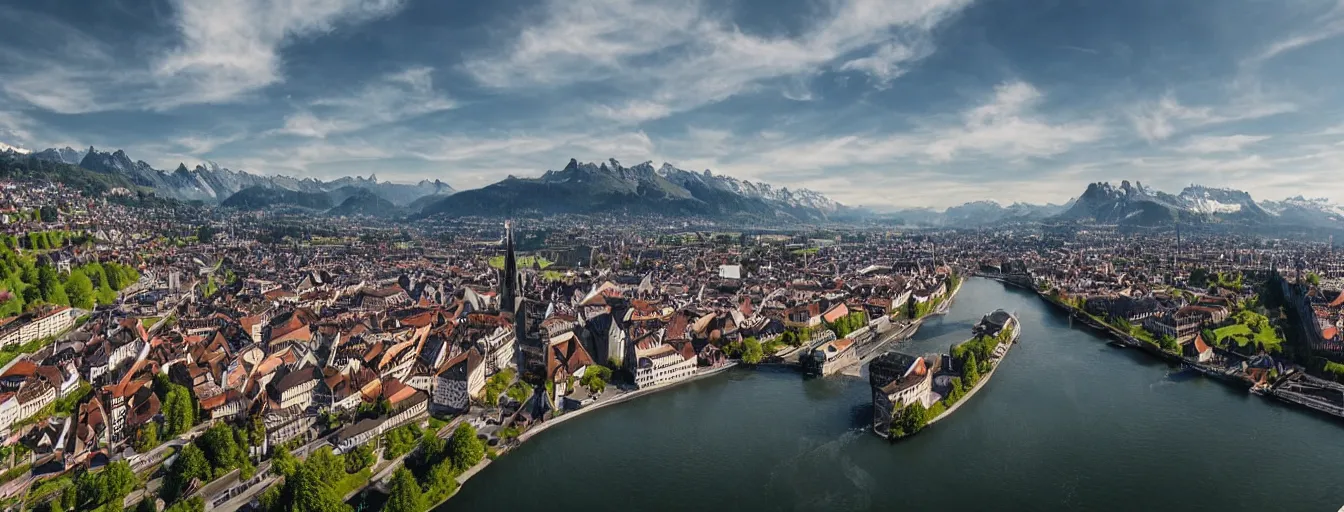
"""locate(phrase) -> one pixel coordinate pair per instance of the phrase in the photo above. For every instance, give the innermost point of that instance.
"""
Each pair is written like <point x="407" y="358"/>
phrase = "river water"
<point x="1068" y="422"/>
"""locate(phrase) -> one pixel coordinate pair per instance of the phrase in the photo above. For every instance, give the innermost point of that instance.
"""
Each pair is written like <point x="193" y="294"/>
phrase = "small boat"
<point x="1117" y="344"/>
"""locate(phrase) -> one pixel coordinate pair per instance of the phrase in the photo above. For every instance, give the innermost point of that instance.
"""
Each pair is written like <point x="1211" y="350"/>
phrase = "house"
<point x="566" y="358"/>
<point x="35" y="326"/>
<point x="899" y="380"/>
<point x="658" y="363"/>
<point x="1199" y="350"/>
<point x="462" y="378"/>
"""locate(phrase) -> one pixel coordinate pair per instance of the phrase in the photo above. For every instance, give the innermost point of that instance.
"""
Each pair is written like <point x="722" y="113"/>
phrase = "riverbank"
<point x="1225" y="376"/>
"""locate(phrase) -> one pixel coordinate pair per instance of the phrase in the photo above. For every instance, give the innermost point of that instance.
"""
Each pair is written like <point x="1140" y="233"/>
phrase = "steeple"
<point x="508" y="279"/>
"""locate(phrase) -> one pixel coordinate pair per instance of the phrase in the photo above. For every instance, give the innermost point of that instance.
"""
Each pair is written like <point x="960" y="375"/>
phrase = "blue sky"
<point x="880" y="103"/>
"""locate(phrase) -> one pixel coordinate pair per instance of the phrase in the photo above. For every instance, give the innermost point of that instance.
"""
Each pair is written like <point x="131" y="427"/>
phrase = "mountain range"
<point x="639" y="189"/>
<point x="667" y="190"/>
<point x="213" y="184"/>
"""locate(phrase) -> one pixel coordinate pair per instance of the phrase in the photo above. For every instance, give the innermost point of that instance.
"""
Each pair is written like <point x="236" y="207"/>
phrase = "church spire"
<point x="508" y="287"/>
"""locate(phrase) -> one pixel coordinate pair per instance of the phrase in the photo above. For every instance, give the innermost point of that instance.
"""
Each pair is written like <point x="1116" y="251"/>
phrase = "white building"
<point x="657" y="363"/>
<point x="28" y="328"/>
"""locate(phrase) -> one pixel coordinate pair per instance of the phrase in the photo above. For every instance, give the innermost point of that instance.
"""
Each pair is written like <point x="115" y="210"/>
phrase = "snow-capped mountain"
<point x="1313" y="212"/>
<point x="610" y="186"/>
<point x="211" y="183"/>
<point x="5" y="148"/>
<point x="1138" y="205"/>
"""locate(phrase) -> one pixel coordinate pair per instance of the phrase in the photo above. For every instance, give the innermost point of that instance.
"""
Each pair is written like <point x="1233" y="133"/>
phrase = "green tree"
<point x="1169" y="344"/>
<point x="105" y="487"/>
<point x="441" y="481"/>
<point x="179" y="414"/>
<point x="147" y="437"/>
<point x="79" y="290"/>
<point x="751" y="351"/>
<point x="404" y="495"/>
<point x="913" y="418"/>
<point x="284" y="463"/>
<point x="361" y="457"/>
<point x="195" y="504"/>
<point x="970" y="370"/>
<point x="49" y="285"/>
<point x="306" y="491"/>
<point x="466" y="449"/>
<point x="148" y="505"/>
<point x="190" y="464"/>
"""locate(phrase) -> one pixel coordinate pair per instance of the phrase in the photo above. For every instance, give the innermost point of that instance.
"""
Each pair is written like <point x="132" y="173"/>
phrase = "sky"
<point x="881" y="103"/>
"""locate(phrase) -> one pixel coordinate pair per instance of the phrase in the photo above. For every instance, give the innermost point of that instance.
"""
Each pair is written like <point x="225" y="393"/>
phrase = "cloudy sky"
<point x="873" y="102"/>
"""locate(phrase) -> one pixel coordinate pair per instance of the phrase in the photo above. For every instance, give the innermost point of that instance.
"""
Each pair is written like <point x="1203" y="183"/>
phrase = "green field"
<point x="523" y="262"/>
<point x="1242" y="334"/>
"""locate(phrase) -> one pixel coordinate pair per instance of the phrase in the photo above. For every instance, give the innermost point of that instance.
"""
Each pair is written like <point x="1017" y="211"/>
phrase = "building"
<point x="899" y="380"/>
<point x="35" y="326"/>
<point x="830" y="357"/>
<point x="658" y="363"/>
<point x="461" y="379"/>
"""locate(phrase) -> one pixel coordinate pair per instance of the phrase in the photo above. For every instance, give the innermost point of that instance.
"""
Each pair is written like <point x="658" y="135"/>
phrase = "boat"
<point x="1117" y="344"/>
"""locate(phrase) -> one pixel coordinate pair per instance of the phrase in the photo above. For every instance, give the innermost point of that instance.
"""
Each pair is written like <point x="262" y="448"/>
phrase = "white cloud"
<point x="224" y="51"/>
<point x="1327" y="26"/>
<point x="1168" y="116"/>
<point x="1219" y="144"/>
<point x="889" y="62"/>
<point x="676" y="56"/>
<point x="392" y="98"/>
<point x="231" y="48"/>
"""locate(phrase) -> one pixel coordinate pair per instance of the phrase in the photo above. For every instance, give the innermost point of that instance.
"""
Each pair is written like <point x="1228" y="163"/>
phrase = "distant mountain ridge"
<point x="610" y="186"/>
<point x="1136" y="205"/>
<point x="975" y="214"/>
<point x="214" y="184"/>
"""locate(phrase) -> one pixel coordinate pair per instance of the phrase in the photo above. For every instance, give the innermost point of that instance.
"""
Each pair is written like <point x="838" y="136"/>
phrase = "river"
<point x="1068" y="422"/>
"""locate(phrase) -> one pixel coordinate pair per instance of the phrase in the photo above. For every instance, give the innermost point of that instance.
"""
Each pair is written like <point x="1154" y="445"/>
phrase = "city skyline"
<point x="860" y="100"/>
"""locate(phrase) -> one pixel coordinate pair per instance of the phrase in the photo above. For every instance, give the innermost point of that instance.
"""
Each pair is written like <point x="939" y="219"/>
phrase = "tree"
<point x="751" y="351"/>
<point x="404" y="495"/>
<point x="284" y="463"/>
<point x="148" y="504"/>
<point x="109" y="486"/>
<point x="79" y="290"/>
<point x="48" y="213"/>
<point x="595" y="378"/>
<point x="361" y="457"/>
<point x="970" y="370"/>
<point x="195" y="504"/>
<point x="179" y="414"/>
<point x="913" y="418"/>
<point x="441" y="481"/>
<point x="190" y="464"/>
<point x="1168" y="344"/>
<point x="1208" y="335"/>
<point x="306" y="491"/>
<point x="147" y="437"/>
<point x="49" y="285"/>
<point x="466" y="449"/>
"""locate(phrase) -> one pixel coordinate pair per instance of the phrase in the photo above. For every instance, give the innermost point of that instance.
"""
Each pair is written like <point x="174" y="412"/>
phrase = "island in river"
<point x="911" y="392"/>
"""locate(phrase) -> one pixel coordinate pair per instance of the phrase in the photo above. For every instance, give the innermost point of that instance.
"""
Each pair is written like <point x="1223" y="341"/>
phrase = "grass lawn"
<point x="1242" y="335"/>
<point x="552" y="275"/>
<point x="523" y="262"/>
<point x="149" y="321"/>
<point x="807" y="252"/>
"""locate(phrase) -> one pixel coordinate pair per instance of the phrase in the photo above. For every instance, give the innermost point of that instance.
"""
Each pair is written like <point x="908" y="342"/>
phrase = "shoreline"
<point x="1129" y="341"/>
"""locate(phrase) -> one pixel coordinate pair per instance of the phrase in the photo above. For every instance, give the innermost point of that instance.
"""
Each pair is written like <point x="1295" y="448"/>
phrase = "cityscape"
<point x="400" y="255"/>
